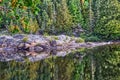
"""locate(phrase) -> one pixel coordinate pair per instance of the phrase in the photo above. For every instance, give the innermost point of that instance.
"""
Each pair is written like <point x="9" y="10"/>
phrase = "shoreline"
<point x="39" y="43"/>
<point x="18" y="46"/>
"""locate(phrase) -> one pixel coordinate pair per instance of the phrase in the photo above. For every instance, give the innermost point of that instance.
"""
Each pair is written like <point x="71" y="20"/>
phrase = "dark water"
<point x="101" y="63"/>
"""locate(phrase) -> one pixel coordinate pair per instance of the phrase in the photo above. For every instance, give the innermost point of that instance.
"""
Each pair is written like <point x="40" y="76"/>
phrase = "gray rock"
<point x="60" y="42"/>
<point x="19" y="36"/>
<point x="53" y="43"/>
<point x="9" y="42"/>
<point x="62" y="37"/>
<point x="38" y="49"/>
<point x="21" y="45"/>
<point x="2" y="38"/>
<point x="27" y="45"/>
<point x="1" y="42"/>
<point x="8" y="50"/>
<point x="31" y="49"/>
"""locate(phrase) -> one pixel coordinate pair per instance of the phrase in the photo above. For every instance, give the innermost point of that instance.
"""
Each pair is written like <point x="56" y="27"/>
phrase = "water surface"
<point x="100" y="63"/>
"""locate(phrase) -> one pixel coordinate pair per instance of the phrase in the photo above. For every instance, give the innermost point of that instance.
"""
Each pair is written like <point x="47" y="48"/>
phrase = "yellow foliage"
<point x="13" y="3"/>
<point x="24" y="7"/>
<point x="31" y="27"/>
<point x="14" y="28"/>
<point x="0" y="0"/>
<point x="25" y="39"/>
<point x="82" y="1"/>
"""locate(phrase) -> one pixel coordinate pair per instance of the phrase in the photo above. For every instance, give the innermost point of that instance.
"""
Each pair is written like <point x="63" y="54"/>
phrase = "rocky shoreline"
<point x="33" y="45"/>
<point x="38" y="43"/>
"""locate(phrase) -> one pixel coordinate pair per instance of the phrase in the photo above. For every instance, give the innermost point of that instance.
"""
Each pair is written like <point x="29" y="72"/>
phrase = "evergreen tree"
<point x="75" y="11"/>
<point x="63" y="17"/>
<point x="108" y="23"/>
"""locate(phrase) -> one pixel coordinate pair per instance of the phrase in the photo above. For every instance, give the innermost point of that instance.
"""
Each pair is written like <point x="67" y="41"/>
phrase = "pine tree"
<point x="64" y="19"/>
<point x="75" y="11"/>
<point x="108" y="23"/>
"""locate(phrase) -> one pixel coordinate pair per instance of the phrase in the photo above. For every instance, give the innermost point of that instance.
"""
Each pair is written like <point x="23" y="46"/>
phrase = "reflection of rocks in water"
<point x="9" y="57"/>
<point x="38" y="49"/>
<point x="79" y="56"/>
<point x="32" y="56"/>
<point x="38" y="57"/>
<point x="53" y="52"/>
<point x="48" y="54"/>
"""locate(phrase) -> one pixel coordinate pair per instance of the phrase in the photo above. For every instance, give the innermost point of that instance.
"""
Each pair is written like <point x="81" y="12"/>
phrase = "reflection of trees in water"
<point x="55" y="68"/>
<point x="107" y="62"/>
<point x="101" y="63"/>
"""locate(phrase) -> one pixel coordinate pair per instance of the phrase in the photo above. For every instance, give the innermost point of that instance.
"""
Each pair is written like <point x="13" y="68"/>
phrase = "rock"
<point x="8" y="50"/>
<point x="31" y="49"/>
<point x="33" y="43"/>
<point x="1" y="42"/>
<point x="38" y="49"/>
<point x="27" y="45"/>
<point x="38" y="57"/>
<point x="2" y="38"/>
<point x="62" y="53"/>
<point x="31" y="54"/>
<point x="21" y="46"/>
<point x="4" y="45"/>
<point x="53" y="52"/>
<point x="46" y="47"/>
<point x="60" y="42"/>
<point x="15" y="44"/>
<point x="37" y="39"/>
<point x="19" y="36"/>
<point x="8" y="42"/>
<point x="60" y="48"/>
<point x="63" y="37"/>
<point x="1" y="49"/>
<point x="53" y="43"/>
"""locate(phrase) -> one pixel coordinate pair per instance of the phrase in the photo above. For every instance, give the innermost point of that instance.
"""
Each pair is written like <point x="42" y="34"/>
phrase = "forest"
<point x="92" y="20"/>
<point x="59" y="39"/>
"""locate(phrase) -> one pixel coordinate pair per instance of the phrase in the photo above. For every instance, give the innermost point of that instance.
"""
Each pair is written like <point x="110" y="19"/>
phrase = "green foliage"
<point x="51" y="15"/>
<point x="108" y="22"/>
<point x="74" y="7"/>
<point x="79" y="40"/>
<point x="110" y="30"/>
<point x="92" y="39"/>
<point x="100" y="17"/>
<point x="17" y="16"/>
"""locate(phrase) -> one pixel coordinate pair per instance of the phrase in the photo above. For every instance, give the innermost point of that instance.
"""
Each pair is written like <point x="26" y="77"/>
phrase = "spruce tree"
<point x="75" y="11"/>
<point x="108" y="23"/>
<point x="63" y="17"/>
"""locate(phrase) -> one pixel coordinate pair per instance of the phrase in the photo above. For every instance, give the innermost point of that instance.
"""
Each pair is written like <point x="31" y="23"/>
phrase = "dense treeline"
<point x="97" y="17"/>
